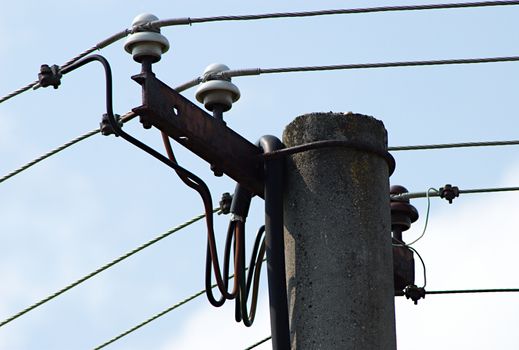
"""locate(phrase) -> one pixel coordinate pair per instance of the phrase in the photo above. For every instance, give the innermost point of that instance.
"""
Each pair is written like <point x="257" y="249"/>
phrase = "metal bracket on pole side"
<point x="207" y="137"/>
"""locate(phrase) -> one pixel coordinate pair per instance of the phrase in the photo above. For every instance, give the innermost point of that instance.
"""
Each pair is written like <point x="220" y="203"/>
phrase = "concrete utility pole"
<point x="338" y="236"/>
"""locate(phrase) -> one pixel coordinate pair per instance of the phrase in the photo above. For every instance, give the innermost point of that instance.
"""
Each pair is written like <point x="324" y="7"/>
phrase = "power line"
<point x="123" y="119"/>
<point x="160" y="314"/>
<point x="431" y="292"/>
<point x="411" y="195"/>
<point x="126" y="117"/>
<point x="191" y="21"/>
<point x="98" y="46"/>
<point x="151" y="319"/>
<point x="103" y="268"/>
<point x="259" y="71"/>
<point x="259" y="343"/>
<point x="454" y="145"/>
<point x="473" y="291"/>
<point x="464" y="291"/>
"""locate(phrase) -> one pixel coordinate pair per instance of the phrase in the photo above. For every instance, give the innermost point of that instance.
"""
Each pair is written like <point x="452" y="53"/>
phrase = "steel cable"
<point x="160" y="314"/>
<point x="259" y="343"/>
<point x="411" y="195"/>
<point x="454" y="145"/>
<point x="103" y="268"/>
<point x="98" y="46"/>
<point x="191" y="21"/>
<point x="126" y="117"/>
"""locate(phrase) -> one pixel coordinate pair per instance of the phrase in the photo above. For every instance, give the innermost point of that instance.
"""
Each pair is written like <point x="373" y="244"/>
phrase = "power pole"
<point x="338" y="235"/>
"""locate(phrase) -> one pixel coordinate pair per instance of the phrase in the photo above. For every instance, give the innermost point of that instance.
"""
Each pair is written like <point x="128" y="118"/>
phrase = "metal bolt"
<point x="449" y="192"/>
<point x="225" y="203"/>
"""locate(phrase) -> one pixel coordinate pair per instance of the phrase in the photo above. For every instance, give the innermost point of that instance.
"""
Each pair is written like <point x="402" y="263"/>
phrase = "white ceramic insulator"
<point x="146" y="43"/>
<point x="217" y="92"/>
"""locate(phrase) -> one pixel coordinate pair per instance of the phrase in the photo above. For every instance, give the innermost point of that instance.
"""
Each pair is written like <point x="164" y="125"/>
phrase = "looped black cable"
<point x="251" y="281"/>
<point x="236" y="230"/>
<point x="188" y="177"/>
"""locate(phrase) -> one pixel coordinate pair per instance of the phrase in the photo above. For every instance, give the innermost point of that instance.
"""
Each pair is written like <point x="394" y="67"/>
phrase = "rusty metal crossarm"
<point x="207" y="137"/>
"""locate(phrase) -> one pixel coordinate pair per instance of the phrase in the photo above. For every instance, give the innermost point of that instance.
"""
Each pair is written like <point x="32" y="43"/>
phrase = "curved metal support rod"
<point x="275" y="245"/>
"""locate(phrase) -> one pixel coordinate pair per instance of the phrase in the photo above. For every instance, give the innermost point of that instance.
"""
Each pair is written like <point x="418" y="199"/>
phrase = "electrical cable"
<point x="453" y="145"/>
<point x="123" y="119"/>
<point x="194" y="182"/>
<point x="212" y="255"/>
<point x="431" y="292"/>
<point x="151" y="319"/>
<point x="126" y="117"/>
<point x="426" y="216"/>
<point x="423" y="265"/>
<point x="412" y="195"/>
<point x="98" y="46"/>
<point x="103" y="268"/>
<point x="160" y="314"/>
<point x="402" y="244"/>
<point x="258" y="71"/>
<point x="259" y="343"/>
<point x="471" y="291"/>
<point x="191" y="21"/>
<point x="236" y="231"/>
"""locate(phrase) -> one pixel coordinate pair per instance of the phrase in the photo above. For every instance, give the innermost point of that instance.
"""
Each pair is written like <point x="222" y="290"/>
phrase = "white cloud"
<point x="471" y="244"/>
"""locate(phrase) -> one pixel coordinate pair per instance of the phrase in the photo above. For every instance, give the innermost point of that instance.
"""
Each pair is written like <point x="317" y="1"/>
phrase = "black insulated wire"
<point x="195" y="182"/>
<point x="235" y="233"/>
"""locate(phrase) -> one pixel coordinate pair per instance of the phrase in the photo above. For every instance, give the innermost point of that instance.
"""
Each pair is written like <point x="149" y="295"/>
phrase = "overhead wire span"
<point x="453" y="145"/>
<point x="151" y="319"/>
<point x="103" y="268"/>
<point x="160" y="314"/>
<point x="191" y="21"/>
<point x="259" y="343"/>
<point x="473" y="291"/>
<point x="466" y="291"/>
<point x="126" y="117"/>
<point x="102" y="44"/>
<point x="411" y="195"/>
<point x="300" y="69"/>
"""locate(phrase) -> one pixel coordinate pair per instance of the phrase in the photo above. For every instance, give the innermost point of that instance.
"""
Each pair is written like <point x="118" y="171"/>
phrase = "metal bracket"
<point x="209" y="138"/>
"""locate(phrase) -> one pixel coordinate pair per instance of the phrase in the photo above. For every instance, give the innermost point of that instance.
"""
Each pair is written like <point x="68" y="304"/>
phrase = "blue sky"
<point x="78" y="210"/>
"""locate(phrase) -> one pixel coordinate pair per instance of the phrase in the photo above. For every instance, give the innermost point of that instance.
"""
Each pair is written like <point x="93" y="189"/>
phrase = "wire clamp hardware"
<point x="449" y="192"/>
<point x="49" y="76"/>
<point x="106" y="128"/>
<point x="225" y="203"/>
<point x="414" y="293"/>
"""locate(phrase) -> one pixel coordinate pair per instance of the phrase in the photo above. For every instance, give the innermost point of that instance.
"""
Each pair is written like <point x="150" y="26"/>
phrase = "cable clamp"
<point x="449" y="192"/>
<point x="106" y="128"/>
<point x="49" y="75"/>
<point x="225" y="203"/>
<point x="414" y="293"/>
